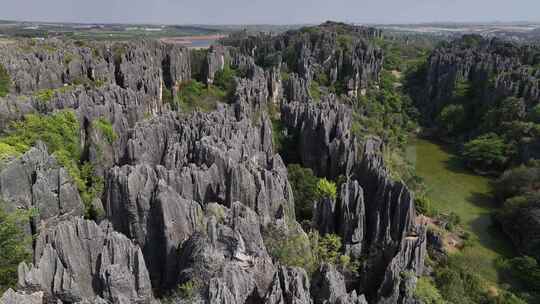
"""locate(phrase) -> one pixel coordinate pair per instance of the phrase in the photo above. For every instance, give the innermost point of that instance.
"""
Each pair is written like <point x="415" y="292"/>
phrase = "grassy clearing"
<point x="452" y="188"/>
<point x="195" y="96"/>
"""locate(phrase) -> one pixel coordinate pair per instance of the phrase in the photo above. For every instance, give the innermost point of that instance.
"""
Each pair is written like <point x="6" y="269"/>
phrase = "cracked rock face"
<point x="180" y="166"/>
<point x="326" y="144"/>
<point x="78" y="260"/>
<point x="37" y="181"/>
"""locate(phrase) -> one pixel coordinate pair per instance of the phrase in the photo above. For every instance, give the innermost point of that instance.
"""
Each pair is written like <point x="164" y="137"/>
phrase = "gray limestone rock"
<point x="78" y="260"/>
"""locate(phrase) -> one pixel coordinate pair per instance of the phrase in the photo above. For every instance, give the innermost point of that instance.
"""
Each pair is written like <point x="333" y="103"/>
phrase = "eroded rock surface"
<point x="78" y="260"/>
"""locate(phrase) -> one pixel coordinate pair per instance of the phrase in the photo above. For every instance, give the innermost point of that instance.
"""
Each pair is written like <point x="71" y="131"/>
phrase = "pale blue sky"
<point x="270" y="11"/>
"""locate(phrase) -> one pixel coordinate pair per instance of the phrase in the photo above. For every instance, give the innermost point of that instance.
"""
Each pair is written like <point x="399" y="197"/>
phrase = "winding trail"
<point x="452" y="187"/>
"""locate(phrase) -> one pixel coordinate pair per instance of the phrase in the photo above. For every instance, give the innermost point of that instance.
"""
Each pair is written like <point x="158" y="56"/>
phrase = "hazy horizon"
<point x="278" y="12"/>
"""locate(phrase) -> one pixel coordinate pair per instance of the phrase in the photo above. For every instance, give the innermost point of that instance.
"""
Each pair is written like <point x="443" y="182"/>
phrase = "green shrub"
<point x="424" y="206"/>
<point x="119" y="50"/>
<point x="225" y="80"/>
<point x="488" y="151"/>
<point x="5" y="81"/>
<point x="14" y="244"/>
<point x="187" y="290"/>
<point x="308" y="252"/>
<point x="304" y="186"/>
<point x="534" y="114"/>
<point x="194" y="96"/>
<point x="68" y="58"/>
<point x="452" y="220"/>
<point x="198" y="60"/>
<point x="427" y="293"/>
<point x="184" y="293"/>
<point x="517" y="181"/>
<point x="106" y="129"/>
<point x="452" y="119"/>
<point x="326" y="189"/>
<point x="278" y="135"/>
<point x="286" y="76"/>
<point x="458" y="281"/>
<point x="7" y="152"/>
<point x="45" y="95"/>
<point x="327" y="250"/>
<point x="344" y="41"/>
<point x="315" y="90"/>
<point x="526" y="269"/>
<point x="292" y="250"/>
<point x="167" y="96"/>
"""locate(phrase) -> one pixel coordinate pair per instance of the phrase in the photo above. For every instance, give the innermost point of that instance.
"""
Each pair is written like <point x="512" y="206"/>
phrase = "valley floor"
<point x="453" y="188"/>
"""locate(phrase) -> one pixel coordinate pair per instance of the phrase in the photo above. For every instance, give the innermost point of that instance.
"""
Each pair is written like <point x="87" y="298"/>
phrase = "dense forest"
<point x="266" y="169"/>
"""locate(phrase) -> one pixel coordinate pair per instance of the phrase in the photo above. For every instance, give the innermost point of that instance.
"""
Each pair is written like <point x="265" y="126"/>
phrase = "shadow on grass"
<point x="484" y="200"/>
<point x="491" y="236"/>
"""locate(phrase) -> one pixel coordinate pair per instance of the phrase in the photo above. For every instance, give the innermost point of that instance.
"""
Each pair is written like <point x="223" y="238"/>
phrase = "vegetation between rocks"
<point x="5" y="81"/>
<point x="15" y="244"/>
<point x="60" y="132"/>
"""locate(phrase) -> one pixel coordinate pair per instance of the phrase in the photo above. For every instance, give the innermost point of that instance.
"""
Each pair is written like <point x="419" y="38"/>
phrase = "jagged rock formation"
<point x="187" y="196"/>
<point x="495" y="68"/>
<point x="229" y="257"/>
<point x="215" y="61"/>
<point x="141" y="66"/>
<point x="348" y="59"/>
<point x="252" y="93"/>
<point x="186" y="163"/>
<point x="395" y="239"/>
<point x="289" y="286"/>
<point x="37" y="181"/>
<point x="328" y="287"/>
<point x="326" y="144"/>
<point x="12" y="297"/>
<point x="78" y="260"/>
<point x="374" y="215"/>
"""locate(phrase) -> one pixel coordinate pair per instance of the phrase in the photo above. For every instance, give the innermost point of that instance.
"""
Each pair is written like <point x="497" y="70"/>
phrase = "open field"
<point x="453" y="188"/>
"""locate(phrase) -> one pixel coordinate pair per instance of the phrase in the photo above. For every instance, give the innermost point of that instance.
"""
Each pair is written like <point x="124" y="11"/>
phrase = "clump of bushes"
<point x="304" y="184"/>
<point x="46" y="95"/>
<point x="424" y="205"/>
<point x="7" y="152"/>
<point x="185" y="293"/>
<point x="225" y="81"/>
<point x="106" y="129"/>
<point x="167" y="96"/>
<point x="5" y="81"/>
<point x="307" y="189"/>
<point x="14" y="243"/>
<point x="427" y="292"/>
<point x="458" y="280"/>
<point x="195" y="96"/>
<point x="452" y="119"/>
<point x="291" y="249"/>
<point x="526" y="269"/>
<point x="315" y="90"/>
<point x="326" y="189"/>
<point x="486" y="152"/>
<point x="308" y="251"/>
